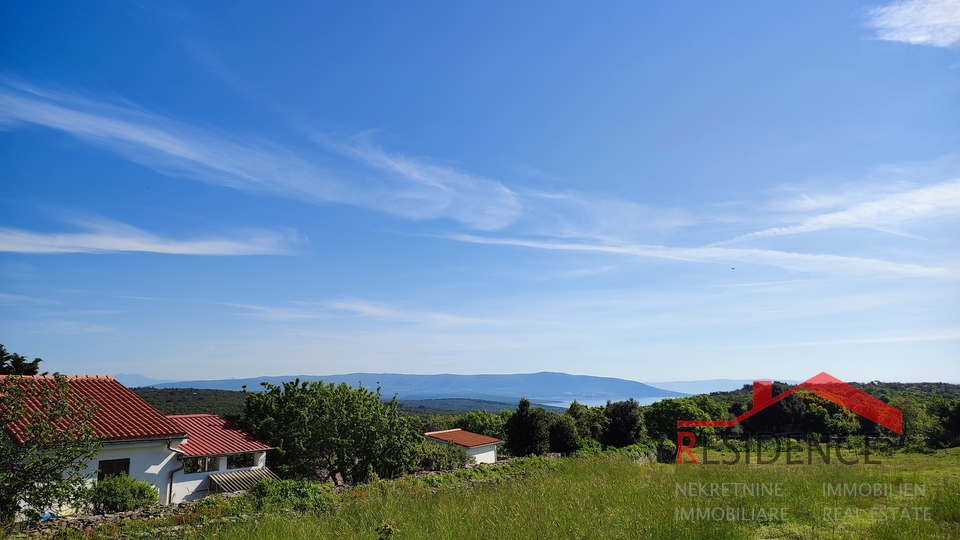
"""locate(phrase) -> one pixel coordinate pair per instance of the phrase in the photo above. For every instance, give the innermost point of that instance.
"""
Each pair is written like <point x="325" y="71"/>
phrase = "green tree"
<point x="917" y="424"/>
<point x="714" y="409"/>
<point x="50" y="438"/>
<point x="16" y="364"/>
<point x="591" y="421"/>
<point x="563" y="435"/>
<point x="945" y="414"/>
<point x="825" y="416"/>
<point x="625" y="423"/>
<point x="483" y="422"/>
<point x="661" y="419"/>
<point x="528" y="430"/>
<point x="322" y="430"/>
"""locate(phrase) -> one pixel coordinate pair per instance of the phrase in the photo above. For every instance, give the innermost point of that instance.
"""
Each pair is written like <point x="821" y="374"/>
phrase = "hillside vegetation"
<point x="605" y="497"/>
<point x="193" y="400"/>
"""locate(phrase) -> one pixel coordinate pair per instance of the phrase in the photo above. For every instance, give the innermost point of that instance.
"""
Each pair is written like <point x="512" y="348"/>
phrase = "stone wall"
<point x="46" y="529"/>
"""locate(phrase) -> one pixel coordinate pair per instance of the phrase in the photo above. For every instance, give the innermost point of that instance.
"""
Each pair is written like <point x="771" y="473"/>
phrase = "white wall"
<point x="150" y="461"/>
<point x="486" y="453"/>
<point x="187" y="487"/>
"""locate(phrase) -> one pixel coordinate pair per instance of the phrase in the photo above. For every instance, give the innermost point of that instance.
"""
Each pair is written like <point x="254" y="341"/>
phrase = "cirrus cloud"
<point x="920" y="22"/>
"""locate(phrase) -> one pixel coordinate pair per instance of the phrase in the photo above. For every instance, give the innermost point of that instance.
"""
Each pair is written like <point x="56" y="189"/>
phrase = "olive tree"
<point x="322" y="430"/>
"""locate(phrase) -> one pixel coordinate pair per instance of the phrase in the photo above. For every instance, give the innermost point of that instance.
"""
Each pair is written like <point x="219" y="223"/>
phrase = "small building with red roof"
<point x="482" y="448"/>
<point x="180" y="455"/>
<point x="218" y="456"/>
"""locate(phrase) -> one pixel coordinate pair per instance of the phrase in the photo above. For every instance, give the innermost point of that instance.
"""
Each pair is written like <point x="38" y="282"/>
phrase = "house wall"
<point x="486" y="453"/>
<point x="150" y="461"/>
<point x="187" y="487"/>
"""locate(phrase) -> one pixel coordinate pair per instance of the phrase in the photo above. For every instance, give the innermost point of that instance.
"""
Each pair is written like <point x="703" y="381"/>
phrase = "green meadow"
<point x="614" y="497"/>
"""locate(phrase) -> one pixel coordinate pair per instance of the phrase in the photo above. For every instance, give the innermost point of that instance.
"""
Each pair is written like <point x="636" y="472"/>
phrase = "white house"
<point x="482" y="448"/>
<point x="180" y="455"/>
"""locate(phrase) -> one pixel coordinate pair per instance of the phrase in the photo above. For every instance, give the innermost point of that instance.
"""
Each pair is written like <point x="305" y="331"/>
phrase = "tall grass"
<point x="616" y="498"/>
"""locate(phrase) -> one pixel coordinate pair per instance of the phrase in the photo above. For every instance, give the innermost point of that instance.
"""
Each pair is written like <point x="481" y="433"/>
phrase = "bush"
<point x="587" y="448"/>
<point x="443" y="457"/>
<point x="300" y="495"/>
<point x="120" y="494"/>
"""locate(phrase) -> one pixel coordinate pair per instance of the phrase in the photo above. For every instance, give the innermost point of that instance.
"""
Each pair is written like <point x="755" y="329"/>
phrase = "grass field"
<point x="616" y="498"/>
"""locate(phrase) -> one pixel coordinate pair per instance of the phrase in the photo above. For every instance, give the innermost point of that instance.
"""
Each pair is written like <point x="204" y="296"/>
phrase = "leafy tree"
<point x="714" y="409"/>
<point x="321" y="430"/>
<point x="590" y="421"/>
<point x="917" y="424"/>
<point x="661" y="419"/>
<point x="825" y="416"/>
<point x="16" y="364"/>
<point x="528" y="430"/>
<point x="625" y="423"/>
<point x="50" y="438"/>
<point x="483" y="422"/>
<point x="945" y="414"/>
<point x="563" y="435"/>
<point x="785" y="415"/>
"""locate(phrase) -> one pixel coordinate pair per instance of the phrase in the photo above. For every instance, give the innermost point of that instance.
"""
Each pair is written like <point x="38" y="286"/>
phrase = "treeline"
<point x="327" y="431"/>
<point x="931" y="413"/>
<point x="930" y="422"/>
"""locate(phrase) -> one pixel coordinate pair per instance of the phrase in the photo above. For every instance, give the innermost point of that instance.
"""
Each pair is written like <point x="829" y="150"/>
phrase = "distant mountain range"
<point x="136" y="381"/>
<point x="540" y="387"/>
<point x="711" y="385"/>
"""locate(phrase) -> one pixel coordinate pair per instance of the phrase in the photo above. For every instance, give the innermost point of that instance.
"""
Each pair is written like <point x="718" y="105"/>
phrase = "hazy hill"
<point x="230" y="402"/>
<point x="544" y="386"/>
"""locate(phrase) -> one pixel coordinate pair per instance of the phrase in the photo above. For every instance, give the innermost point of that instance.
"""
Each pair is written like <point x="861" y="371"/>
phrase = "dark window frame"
<point x="112" y="467"/>
<point x="250" y="457"/>
<point x="200" y="464"/>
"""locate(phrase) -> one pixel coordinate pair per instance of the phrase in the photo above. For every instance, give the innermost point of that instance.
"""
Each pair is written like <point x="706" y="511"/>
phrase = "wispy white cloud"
<point x="573" y="214"/>
<point x="10" y="298"/>
<point x="111" y="237"/>
<point x="881" y="214"/>
<point x="432" y="190"/>
<point x="384" y="312"/>
<point x="920" y="22"/>
<point x="376" y="311"/>
<point x="271" y="313"/>
<point x="59" y="327"/>
<point x="836" y="264"/>
<point x="408" y="187"/>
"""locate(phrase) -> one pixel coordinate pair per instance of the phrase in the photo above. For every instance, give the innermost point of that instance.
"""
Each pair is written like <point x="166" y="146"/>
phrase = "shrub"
<point x="299" y="495"/>
<point x="587" y="448"/>
<point x="121" y="493"/>
<point x="443" y="457"/>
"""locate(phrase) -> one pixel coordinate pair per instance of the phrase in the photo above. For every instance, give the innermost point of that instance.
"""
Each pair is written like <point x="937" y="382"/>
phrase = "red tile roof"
<point x="461" y="437"/>
<point x="211" y="435"/>
<point x="120" y="414"/>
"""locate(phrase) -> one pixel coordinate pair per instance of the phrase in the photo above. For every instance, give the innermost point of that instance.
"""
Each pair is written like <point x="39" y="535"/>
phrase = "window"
<point x="113" y="467"/>
<point x="238" y="461"/>
<point x="199" y="464"/>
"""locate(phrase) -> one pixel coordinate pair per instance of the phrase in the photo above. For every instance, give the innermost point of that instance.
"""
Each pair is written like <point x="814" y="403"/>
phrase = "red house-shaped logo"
<point x="824" y="385"/>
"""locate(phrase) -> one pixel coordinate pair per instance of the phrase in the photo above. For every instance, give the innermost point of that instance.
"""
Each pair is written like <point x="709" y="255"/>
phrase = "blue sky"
<point x="652" y="191"/>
